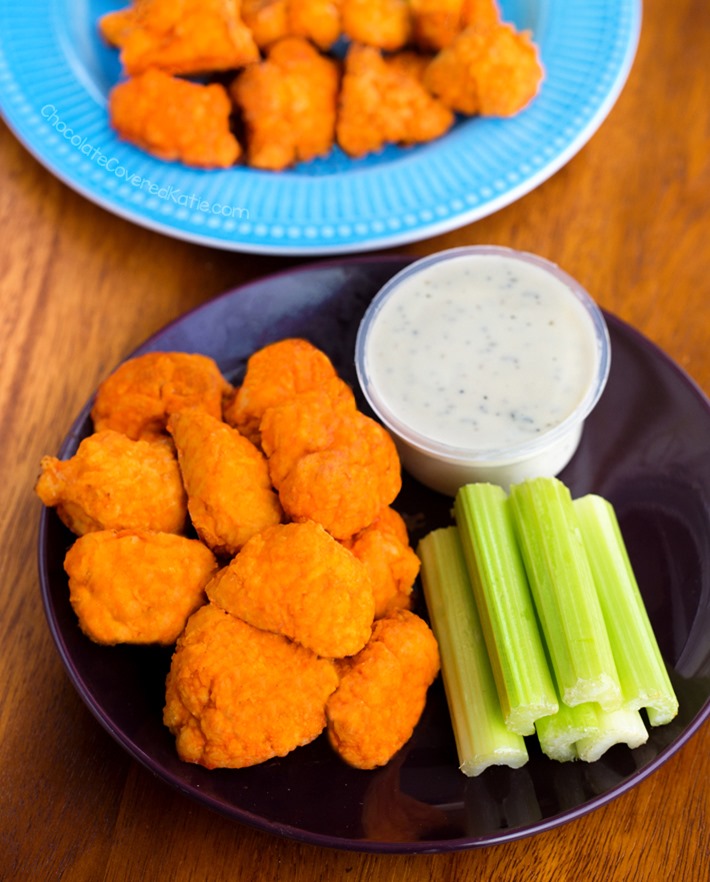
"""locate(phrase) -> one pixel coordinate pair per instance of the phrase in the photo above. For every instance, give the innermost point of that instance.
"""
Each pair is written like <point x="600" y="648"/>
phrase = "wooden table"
<point x="80" y="288"/>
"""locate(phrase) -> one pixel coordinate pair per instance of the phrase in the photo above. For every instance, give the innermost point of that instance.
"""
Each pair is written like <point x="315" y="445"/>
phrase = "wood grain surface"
<point x="80" y="288"/>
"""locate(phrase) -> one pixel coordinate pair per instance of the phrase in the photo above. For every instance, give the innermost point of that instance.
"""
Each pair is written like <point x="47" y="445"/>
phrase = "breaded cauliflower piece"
<point x="482" y="13"/>
<point x="237" y="696"/>
<point x="113" y="482"/>
<point x="392" y="564"/>
<point x="348" y="473"/>
<point x="229" y="494"/>
<point x="274" y="374"/>
<point x="272" y="20"/>
<point x="307" y="423"/>
<point x="382" y="691"/>
<point x="267" y="20"/>
<point x="180" y="36"/>
<point x="135" y="586"/>
<point x="487" y="70"/>
<point x="288" y="104"/>
<point x="297" y="581"/>
<point x="385" y="24"/>
<point x="137" y="398"/>
<point x="175" y="120"/>
<point x="382" y="103"/>
<point x="435" y="23"/>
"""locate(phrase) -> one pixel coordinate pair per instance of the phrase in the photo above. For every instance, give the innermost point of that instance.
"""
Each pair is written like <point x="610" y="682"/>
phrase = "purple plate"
<point x="645" y="448"/>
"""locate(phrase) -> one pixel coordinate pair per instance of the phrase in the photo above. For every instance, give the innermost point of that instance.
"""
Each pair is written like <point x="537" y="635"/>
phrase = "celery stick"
<point x="564" y="593"/>
<point x="505" y="607"/>
<point x="482" y="739"/>
<point x="615" y="727"/>
<point x="642" y="673"/>
<point x="559" y="733"/>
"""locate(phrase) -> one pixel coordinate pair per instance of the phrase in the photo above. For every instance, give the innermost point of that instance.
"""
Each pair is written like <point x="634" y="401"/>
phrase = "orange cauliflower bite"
<point x="137" y="398"/>
<point x="237" y="696"/>
<point x="180" y="36"/>
<point x="317" y="20"/>
<point x="274" y="374"/>
<point x="382" y="691"/>
<point x="393" y="566"/>
<point x="272" y="20"/>
<point x="385" y="24"/>
<point x="288" y="105"/>
<point x="175" y="119"/>
<point x="489" y="70"/>
<point x="307" y="423"/>
<point x="482" y="13"/>
<point x="435" y="23"/>
<point x="113" y="482"/>
<point x="344" y="486"/>
<point x="297" y="581"/>
<point x="134" y="586"/>
<point x="229" y="494"/>
<point x="267" y="20"/>
<point x="382" y="103"/>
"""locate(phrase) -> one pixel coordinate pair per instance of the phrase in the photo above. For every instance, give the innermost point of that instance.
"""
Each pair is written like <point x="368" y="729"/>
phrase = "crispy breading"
<point x="317" y="20"/>
<point x="392" y="564"/>
<point x="175" y="119"/>
<point x="274" y="374"/>
<point x="385" y="24"/>
<point x="482" y="13"/>
<point x="135" y="586"/>
<point x="229" y="494"/>
<point x="306" y="423"/>
<point x="113" y="482"/>
<point x="435" y="23"/>
<point x="267" y="20"/>
<point x="288" y="104"/>
<point x="297" y="581"/>
<point x="237" y="696"/>
<point x="137" y="398"/>
<point x="382" y="691"/>
<point x="487" y="70"/>
<point x="272" y="20"/>
<point x="382" y="103"/>
<point x="329" y="462"/>
<point x="116" y="26"/>
<point x="180" y="36"/>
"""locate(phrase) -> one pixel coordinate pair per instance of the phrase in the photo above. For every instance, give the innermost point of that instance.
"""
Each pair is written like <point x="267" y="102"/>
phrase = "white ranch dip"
<point x="481" y="352"/>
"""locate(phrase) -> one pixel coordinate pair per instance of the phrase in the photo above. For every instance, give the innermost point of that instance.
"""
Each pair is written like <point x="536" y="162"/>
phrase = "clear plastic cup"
<point x="446" y="464"/>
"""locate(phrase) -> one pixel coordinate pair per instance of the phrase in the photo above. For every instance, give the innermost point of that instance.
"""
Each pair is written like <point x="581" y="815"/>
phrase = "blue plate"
<point x="56" y="73"/>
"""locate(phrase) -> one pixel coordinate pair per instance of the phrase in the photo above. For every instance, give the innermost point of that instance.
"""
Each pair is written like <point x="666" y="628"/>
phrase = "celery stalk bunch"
<point x="541" y="627"/>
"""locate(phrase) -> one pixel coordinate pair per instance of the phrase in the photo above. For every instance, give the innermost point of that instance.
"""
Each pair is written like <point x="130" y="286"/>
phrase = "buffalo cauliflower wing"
<point x="272" y="20"/>
<point x="135" y="586"/>
<point x="137" y="398"/>
<point x="288" y="105"/>
<point x="392" y="564"/>
<point x="383" y="103"/>
<point x="276" y="373"/>
<point x="237" y="696"/>
<point x="297" y="581"/>
<point x="304" y="424"/>
<point x="382" y="691"/>
<point x="113" y="482"/>
<point x="175" y="119"/>
<point x="385" y="24"/>
<point x="180" y="36"/>
<point x="229" y="494"/>
<point x="491" y="70"/>
<point x="350" y="472"/>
